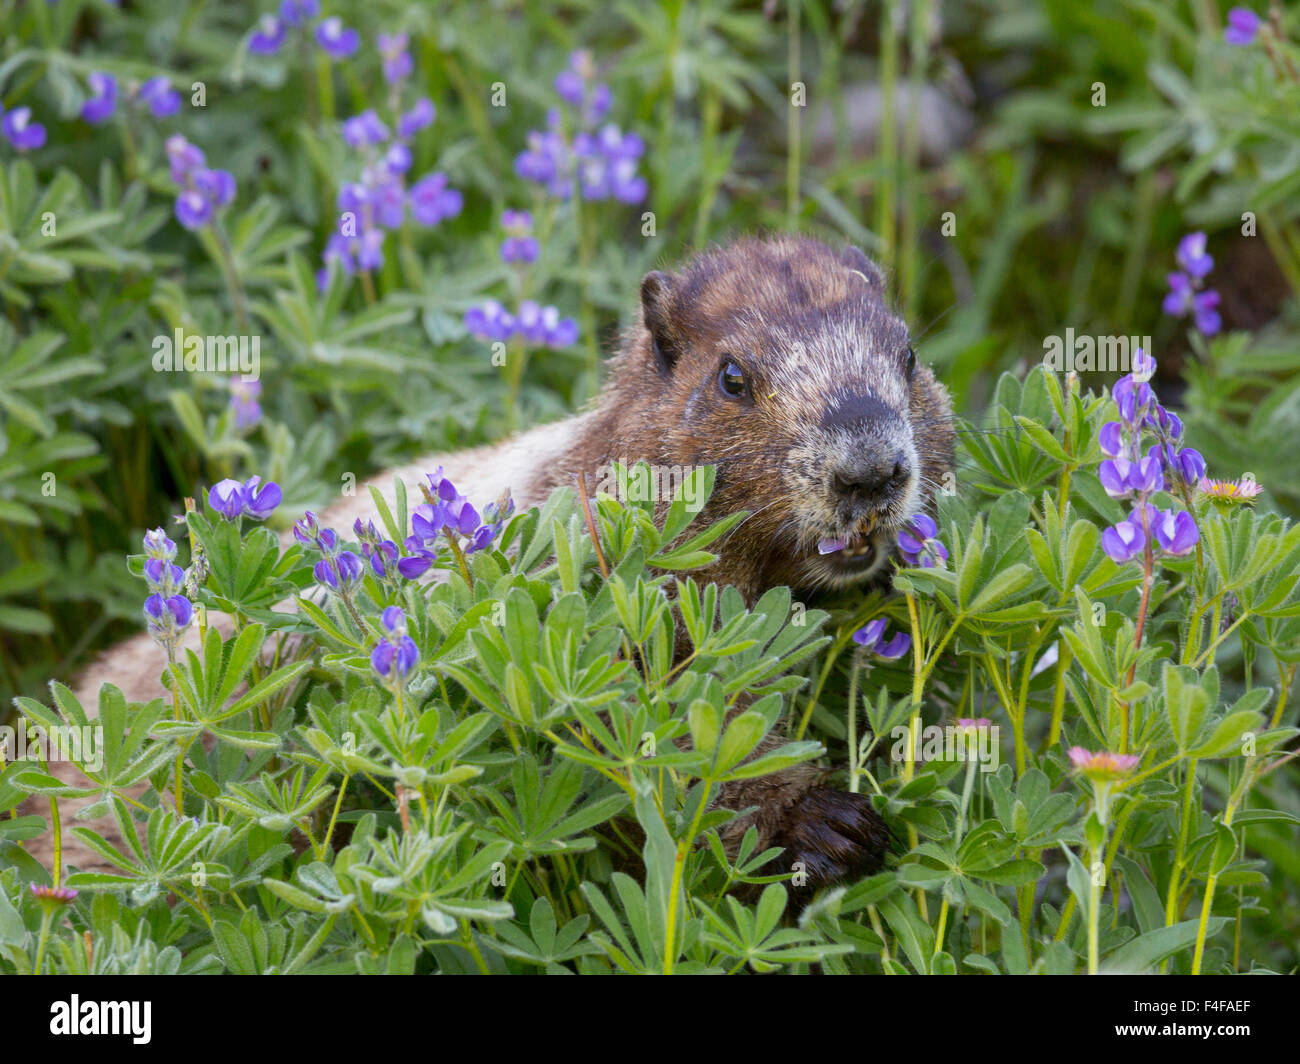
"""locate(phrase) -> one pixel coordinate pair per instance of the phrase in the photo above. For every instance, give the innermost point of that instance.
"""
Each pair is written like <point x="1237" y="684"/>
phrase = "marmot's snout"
<point x="866" y="483"/>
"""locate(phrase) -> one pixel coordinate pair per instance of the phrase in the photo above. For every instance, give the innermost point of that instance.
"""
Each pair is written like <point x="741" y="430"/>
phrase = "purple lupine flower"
<point x="163" y="577"/>
<point x="1121" y="478"/>
<point x="1132" y="397"/>
<point x="396" y="655"/>
<point x="495" y="515"/>
<point x="243" y="403"/>
<point x="1204" y="312"/>
<point x="1188" y="463"/>
<point x="157" y="544"/>
<point x="397" y="157"/>
<point x="227" y="498"/>
<point x="432" y="200"/>
<point x="339" y="572"/>
<point x="21" y="131"/>
<point x="1183" y="300"/>
<point x="335" y="39"/>
<point x="1144" y="365"/>
<point x="296" y="12"/>
<point x="608" y="163"/>
<point x="490" y="321"/>
<point x="1123" y="541"/>
<point x="183" y="156"/>
<point x="367" y="532"/>
<point x="516" y="221"/>
<point x="543" y="325"/>
<point x="1111" y="439"/>
<point x="420" y="115"/>
<point x="167" y="618"/>
<point x="382" y="556"/>
<point x="919" y="545"/>
<point x="1175" y="531"/>
<point x="872" y="636"/>
<point x="1165" y="421"/>
<point x="577" y="87"/>
<point x="549" y="160"/>
<point x="418" y="558"/>
<point x="569" y="87"/>
<point x="103" y="99"/>
<point x="1243" y="26"/>
<point x="260" y="500"/>
<point x="1113" y="475"/>
<point x="517" y="250"/>
<point x="1192" y="256"/>
<point x="269" y="36"/>
<point x="162" y="99"/>
<point x="397" y="60"/>
<point x="365" y="128"/>
<point x="307" y="530"/>
<point x="218" y="186"/>
<point x="520" y="246"/>
<point x="193" y="209"/>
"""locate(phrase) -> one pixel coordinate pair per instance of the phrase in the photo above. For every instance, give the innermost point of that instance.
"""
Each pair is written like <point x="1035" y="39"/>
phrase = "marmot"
<point x="779" y="362"/>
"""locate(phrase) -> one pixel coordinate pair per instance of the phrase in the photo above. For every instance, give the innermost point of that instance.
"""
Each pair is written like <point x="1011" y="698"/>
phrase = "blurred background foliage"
<point x="1064" y="214"/>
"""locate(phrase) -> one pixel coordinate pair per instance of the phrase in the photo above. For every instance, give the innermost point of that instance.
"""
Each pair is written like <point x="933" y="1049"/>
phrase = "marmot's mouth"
<point x="858" y="550"/>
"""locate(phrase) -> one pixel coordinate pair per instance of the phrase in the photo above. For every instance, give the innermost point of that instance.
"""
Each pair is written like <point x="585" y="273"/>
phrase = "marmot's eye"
<point x="911" y="362"/>
<point x="731" y="379"/>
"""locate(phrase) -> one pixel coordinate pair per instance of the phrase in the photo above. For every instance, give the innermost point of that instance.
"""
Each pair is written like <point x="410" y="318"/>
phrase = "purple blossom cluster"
<point x="1132" y="475"/>
<point x="202" y="191"/>
<point x="232" y="499"/>
<point x="448" y="510"/>
<point x="598" y="163"/>
<point x="535" y="323"/>
<point x="1186" y="297"/>
<point x="338" y="570"/>
<point x="385" y="559"/>
<point x="167" y="612"/>
<point x="919" y="544"/>
<point x="1243" y="26"/>
<point x="872" y="636"/>
<point x="20" y="130"/>
<point x="244" y="403"/>
<point x="520" y="247"/>
<point x="379" y="201"/>
<point x="156" y="94"/>
<point x="334" y="38"/>
<point x="395" y="655"/>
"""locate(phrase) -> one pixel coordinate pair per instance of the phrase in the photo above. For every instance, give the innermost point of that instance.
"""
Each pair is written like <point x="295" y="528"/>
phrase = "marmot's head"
<point x="779" y="362"/>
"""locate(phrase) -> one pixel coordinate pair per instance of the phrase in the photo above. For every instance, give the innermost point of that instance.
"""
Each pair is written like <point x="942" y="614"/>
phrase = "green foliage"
<point x="539" y="796"/>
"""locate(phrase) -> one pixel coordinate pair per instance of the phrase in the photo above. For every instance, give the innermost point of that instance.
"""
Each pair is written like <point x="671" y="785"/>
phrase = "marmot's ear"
<point x="656" y="290"/>
<point x="856" y="259"/>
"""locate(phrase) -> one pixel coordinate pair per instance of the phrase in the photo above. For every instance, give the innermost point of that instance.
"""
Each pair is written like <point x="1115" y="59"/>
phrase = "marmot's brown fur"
<point x="779" y="362"/>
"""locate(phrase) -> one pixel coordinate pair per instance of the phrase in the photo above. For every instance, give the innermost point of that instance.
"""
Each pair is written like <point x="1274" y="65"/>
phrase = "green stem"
<point x="46" y="919"/>
<point x="226" y="260"/>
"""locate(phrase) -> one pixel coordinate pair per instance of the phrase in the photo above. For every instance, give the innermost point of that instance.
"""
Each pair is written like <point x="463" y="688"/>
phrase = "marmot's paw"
<point x="831" y="835"/>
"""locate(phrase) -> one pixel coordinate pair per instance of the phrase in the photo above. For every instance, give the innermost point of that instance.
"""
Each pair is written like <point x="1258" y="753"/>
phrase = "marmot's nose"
<point x="870" y="479"/>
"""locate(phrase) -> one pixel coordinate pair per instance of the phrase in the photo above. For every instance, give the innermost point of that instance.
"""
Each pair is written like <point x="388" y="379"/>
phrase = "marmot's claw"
<point x="831" y="835"/>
